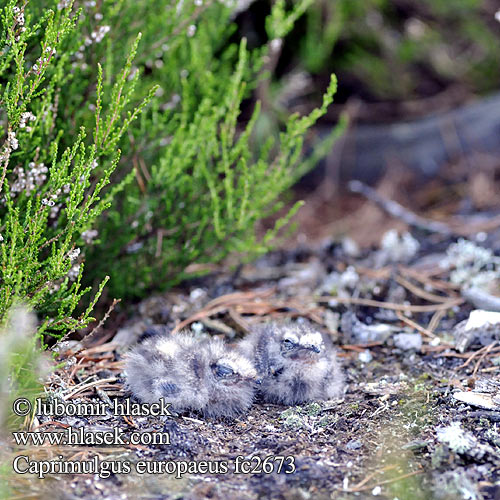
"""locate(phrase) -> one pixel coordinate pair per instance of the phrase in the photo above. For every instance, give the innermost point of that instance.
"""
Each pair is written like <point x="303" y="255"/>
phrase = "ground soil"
<point x="381" y="439"/>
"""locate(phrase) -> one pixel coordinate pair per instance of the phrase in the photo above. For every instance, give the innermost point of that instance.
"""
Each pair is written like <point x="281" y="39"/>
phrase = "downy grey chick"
<point x="294" y="363"/>
<point x="204" y="376"/>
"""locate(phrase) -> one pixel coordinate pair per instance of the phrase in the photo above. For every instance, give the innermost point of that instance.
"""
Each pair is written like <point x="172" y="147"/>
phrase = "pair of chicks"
<point x="283" y="363"/>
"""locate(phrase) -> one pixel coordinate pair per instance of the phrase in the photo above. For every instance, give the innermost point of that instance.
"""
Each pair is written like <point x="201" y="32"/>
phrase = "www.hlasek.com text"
<point x="83" y="437"/>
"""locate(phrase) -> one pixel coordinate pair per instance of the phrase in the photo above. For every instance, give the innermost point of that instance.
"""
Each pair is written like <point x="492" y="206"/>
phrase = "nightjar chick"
<point x="294" y="363"/>
<point x="204" y="376"/>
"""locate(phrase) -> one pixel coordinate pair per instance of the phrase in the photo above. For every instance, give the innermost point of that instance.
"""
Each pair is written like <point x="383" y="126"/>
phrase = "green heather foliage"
<point x="123" y="155"/>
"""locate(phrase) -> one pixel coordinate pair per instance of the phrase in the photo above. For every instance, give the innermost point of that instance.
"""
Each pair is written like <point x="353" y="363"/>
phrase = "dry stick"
<point x="360" y="347"/>
<point x="398" y="211"/>
<point x="435" y="320"/>
<point x="110" y="346"/>
<point x="391" y="305"/>
<point x="387" y="481"/>
<point x="466" y="355"/>
<point x="237" y="297"/>
<point x="419" y="292"/>
<point x="225" y="302"/>
<point x="480" y="360"/>
<point x="444" y="286"/>
<point x="104" y="318"/>
<point x="371" y="476"/>
<point x="83" y="387"/>
<point x="472" y="356"/>
<point x="75" y="368"/>
<point x="239" y="320"/>
<point x="411" y="323"/>
<point x="200" y="315"/>
<point x="490" y="369"/>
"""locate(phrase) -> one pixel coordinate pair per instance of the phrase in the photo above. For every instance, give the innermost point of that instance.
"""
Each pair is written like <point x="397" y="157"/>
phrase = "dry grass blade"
<point x="252" y="303"/>
<point x="419" y="292"/>
<point x="362" y="487"/>
<point x="238" y="297"/>
<point x="84" y="386"/>
<point x="481" y="359"/>
<point x="390" y="305"/>
<point x="414" y="325"/>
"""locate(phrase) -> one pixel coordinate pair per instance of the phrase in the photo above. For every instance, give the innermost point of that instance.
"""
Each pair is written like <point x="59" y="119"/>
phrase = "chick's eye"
<point x="288" y="344"/>
<point x="223" y="371"/>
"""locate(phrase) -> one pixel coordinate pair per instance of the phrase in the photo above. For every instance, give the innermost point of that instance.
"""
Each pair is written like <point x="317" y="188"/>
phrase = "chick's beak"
<point x="311" y="348"/>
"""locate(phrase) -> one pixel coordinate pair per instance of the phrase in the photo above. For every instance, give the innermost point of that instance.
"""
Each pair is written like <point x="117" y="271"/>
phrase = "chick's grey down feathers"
<point x="294" y="363"/>
<point x="203" y="376"/>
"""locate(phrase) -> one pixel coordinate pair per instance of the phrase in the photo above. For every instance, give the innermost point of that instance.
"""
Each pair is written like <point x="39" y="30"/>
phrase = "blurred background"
<point x="418" y="93"/>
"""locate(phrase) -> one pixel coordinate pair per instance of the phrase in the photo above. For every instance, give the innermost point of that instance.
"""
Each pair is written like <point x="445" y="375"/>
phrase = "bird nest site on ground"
<point x="399" y="432"/>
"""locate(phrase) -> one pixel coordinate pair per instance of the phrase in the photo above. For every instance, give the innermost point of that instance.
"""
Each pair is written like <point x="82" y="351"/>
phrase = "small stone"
<point x="365" y="356"/>
<point x="354" y="444"/>
<point x="408" y="341"/>
<point x="480" y="400"/>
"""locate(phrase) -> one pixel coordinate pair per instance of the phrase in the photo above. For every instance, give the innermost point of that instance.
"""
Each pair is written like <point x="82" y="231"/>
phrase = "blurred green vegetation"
<point x="392" y="49"/>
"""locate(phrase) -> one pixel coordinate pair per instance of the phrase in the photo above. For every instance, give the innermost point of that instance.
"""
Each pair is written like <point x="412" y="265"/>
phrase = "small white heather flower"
<point x="98" y="16"/>
<point x="47" y="202"/>
<point x="12" y="141"/>
<point x="73" y="272"/>
<point x="63" y="4"/>
<point x="191" y="30"/>
<point x="497" y="15"/>
<point x="89" y="235"/>
<point x="54" y="211"/>
<point x="73" y="254"/>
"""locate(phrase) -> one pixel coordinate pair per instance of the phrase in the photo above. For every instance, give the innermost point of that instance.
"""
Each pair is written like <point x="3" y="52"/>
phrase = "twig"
<point x="435" y="320"/>
<point x="360" y="347"/>
<point x="104" y="318"/>
<point x="480" y="360"/>
<point x="398" y="211"/>
<point x="110" y="346"/>
<point x="417" y="327"/>
<point x="419" y="292"/>
<point x="84" y="387"/>
<point x="470" y="357"/>
<point x="391" y="305"/>
<point x="444" y="286"/>
<point x="387" y="481"/>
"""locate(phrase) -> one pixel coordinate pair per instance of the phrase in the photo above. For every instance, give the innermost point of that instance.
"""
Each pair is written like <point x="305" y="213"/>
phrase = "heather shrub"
<point x="125" y="154"/>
